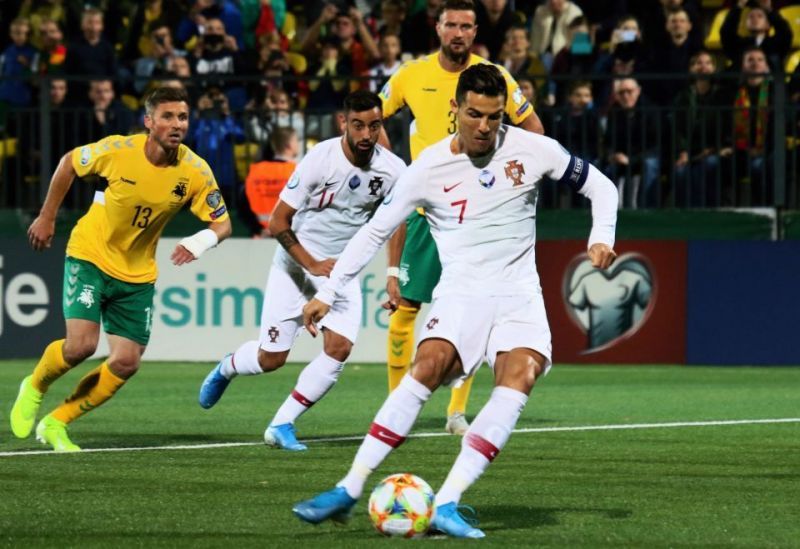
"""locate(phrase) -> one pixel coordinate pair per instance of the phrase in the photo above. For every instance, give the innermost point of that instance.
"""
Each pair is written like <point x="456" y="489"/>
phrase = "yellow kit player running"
<point x="110" y="268"/>
<point x="426" y="86"/>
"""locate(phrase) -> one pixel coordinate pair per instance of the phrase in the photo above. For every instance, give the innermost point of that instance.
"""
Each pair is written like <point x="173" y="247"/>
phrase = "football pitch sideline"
<point x="604" y="456"/>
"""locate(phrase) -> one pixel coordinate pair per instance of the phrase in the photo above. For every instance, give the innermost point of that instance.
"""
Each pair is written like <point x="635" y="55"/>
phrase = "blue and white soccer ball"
<point x="401" y="505"/>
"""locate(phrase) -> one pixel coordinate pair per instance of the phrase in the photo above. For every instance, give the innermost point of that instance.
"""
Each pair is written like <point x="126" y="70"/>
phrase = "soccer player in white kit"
<point x="332" y="193"/>
<point x="479" y="190"/>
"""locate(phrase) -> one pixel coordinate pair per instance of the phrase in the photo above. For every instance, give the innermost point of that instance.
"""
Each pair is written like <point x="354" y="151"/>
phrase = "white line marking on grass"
<point x="622" y="426"/>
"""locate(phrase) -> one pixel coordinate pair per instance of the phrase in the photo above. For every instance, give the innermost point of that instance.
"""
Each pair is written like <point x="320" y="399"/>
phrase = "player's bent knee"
<point x="269" y="361"/>
<point x="124" y="366"/>
<point x="338" y="349"/>
<point x="76" y="351"/>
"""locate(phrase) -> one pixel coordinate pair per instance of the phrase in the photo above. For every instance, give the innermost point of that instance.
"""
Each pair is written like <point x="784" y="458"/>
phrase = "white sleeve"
<point x="306" y="176"/>
<point x="605" y="199"/>
<point x="404" y="197"/>
<point x="591" y="183"/>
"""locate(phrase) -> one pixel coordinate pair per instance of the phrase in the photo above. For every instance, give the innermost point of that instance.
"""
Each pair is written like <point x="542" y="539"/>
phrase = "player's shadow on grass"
<point x="518" y="516"/>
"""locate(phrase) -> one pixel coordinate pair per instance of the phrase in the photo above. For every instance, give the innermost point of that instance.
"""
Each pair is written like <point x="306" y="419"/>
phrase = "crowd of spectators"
<point x="674" y="99"/>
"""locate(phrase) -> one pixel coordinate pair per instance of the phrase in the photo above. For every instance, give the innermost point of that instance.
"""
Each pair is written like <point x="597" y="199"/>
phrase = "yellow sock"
<point x="400" y="343"/>
<point x="459" y="397"/>
<point x="94" y="389"/>
<point x="50" y="367"/>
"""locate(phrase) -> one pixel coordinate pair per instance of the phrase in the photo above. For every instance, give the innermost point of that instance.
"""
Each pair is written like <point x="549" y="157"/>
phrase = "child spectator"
<point x="18" y="61"/>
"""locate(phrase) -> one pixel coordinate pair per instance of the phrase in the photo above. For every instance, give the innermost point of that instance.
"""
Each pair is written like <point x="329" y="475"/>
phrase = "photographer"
<point x="356" y="52"/>
<point x="213" y="135"/>
<point x="162" y="50"/>
<point x="217" y="53"/>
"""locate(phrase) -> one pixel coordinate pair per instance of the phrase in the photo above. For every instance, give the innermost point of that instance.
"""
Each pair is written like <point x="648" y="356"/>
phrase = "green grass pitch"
<point x="720" y="485"/>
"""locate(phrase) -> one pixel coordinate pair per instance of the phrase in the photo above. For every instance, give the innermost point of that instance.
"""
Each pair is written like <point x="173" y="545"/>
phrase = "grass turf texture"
<point x="733" y="485"/>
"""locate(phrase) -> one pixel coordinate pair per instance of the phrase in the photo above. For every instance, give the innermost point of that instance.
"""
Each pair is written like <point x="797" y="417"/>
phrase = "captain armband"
<point x="576" y="173"/>
<point x="200" y="242"/>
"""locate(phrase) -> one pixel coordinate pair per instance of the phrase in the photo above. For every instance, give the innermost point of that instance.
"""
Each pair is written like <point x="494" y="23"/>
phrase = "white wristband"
<point x="393" y="271"/>
<point x="200" y="242"/>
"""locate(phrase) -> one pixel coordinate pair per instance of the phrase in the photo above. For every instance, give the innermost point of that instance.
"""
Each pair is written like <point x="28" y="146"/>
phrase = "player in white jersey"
<point x="479" y="191"/>
<point x="332" y="193"/>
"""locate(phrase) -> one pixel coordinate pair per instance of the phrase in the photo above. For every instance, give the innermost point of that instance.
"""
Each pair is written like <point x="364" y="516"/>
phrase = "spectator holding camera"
<point x="625" y="57"/>
<point x="217" y="53"/>
<point x="357" y="49"/>
<point x="201" y="12"/>
<point x="161" y="51"/>
<point x="766" y="30"/>
<point x="213" y="135"/>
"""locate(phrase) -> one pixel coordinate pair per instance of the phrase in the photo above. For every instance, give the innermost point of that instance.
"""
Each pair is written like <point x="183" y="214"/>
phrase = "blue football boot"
<point x="448" y="520"/>
<point x="334" y="504"/>
<point x="213" y="386"/>
<point x="282" y="436"/>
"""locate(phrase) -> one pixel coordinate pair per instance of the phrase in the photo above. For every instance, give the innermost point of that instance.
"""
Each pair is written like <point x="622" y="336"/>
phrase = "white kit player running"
<point x="479" y="191"/>
<point x="332" y="193"/>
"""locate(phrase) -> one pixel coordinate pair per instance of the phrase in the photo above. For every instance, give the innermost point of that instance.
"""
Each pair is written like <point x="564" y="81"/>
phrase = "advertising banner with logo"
<point x="633" y="313"/>
<point x="30" y="297"/>
<point x="209" y="307"/>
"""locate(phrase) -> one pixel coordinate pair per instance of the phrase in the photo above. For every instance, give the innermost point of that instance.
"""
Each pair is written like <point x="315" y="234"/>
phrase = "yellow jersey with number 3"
<point x="120" y="231"/>
<point x="427" y="88"/>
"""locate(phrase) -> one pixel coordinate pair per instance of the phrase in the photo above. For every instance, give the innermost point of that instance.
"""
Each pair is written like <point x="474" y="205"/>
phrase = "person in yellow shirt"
<point x="426" y="86"/>
<point x="110" y="268"/>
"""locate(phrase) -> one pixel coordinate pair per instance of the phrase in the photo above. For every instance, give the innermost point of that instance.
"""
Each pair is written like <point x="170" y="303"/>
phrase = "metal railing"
<point x="717" y="173"/>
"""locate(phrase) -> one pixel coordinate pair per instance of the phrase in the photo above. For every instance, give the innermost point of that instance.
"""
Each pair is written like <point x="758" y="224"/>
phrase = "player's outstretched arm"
<point x="394" y="252"/>
<point x="41" y="231"/>
<point x="192" y="247"/>
<point x="280" y="224"/>
<point x="605" y="199"/>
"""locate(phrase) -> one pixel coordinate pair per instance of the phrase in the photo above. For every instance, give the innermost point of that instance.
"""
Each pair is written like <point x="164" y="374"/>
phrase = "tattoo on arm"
<point x="287" y="239"/>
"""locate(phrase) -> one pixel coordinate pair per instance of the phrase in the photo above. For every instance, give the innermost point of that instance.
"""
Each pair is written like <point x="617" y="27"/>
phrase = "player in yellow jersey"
<point x="110" y="268"/>
<point x="426" y="86"/>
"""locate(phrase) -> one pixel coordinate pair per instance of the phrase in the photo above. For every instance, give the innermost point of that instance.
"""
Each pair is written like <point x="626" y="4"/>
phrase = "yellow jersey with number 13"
<point x="427" y="88"/>
<point x="120" y="231"/>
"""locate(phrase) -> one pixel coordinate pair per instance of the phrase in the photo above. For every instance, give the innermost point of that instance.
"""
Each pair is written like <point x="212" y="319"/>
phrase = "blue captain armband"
<point x="576" y="173"/>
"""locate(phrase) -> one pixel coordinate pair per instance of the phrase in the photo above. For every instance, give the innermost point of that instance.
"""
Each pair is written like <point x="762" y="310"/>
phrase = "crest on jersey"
<point x="515" y="171"/>
<point x="273" y="334"/>
<point x="179" y="191"/>
<point x="486" y="179"/>
<point x="213" y="199"/>
<point x="354" y="183"/>
<point x="375" y="185"/>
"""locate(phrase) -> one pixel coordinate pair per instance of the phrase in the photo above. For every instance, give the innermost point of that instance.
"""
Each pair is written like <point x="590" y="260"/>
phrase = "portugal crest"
<point x="515" y="171"/>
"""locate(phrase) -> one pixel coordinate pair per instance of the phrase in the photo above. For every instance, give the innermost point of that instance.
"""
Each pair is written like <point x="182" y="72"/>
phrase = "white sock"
<point x="389" y="429"/>
<point x="485" y="438"/>
<point x="314" y="381"/>
<point x="244" y="361"/>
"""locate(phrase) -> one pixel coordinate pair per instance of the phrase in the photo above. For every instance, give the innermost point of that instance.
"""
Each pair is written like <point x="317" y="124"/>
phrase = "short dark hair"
<point x="576" y="84"/>
<point x="164" y="94"/>
<point x="280" y="137"/>
<point x="362" y="100"/>
<point x="456" y="5"/>
<point x="483" y="78"/>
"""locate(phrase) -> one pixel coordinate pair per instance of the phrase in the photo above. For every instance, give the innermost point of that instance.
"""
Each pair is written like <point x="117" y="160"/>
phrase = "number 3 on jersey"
<point x="451" y="128"/>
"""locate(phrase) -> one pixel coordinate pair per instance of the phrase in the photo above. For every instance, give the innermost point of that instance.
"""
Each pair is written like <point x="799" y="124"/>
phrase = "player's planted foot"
<point x="334" y="504"/>
<point x="457" y="424"/>
<point x="448" y="520"/>
<point x="53" y="432"/>
<point x="282" y="436"/>
<point x="23" y="414"/>
<point x="213" y="386"/>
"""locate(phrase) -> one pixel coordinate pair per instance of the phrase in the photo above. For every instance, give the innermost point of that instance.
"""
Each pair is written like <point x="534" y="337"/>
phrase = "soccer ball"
<point x="401" y="505"/>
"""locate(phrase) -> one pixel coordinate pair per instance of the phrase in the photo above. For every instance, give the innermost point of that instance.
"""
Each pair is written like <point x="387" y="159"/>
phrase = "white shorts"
<point x="287" y="292"/>
<point x="480" y="328"/>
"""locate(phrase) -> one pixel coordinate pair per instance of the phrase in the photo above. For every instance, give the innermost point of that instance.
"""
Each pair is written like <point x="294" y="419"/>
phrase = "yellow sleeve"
<point x="392" y="92"/>
<point x="518" y="107"/>
<point x="95" y="158"/>
<point x="207" y="202"/>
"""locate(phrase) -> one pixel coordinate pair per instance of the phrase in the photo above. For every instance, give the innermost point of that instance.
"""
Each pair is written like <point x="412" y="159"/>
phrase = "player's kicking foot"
<point x="53" y="432"/>
<point x="23" y="414"/>
<point x="457" y="424"/>
<point x="213" y="385"/>
<point x="334" y="504"/>
<point x="447" y="520"/>
<point x="282" y="436"/>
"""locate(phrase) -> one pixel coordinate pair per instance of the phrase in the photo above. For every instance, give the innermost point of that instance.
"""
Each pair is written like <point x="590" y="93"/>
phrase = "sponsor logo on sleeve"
<point x="219" y="212"/>
<point x="294" y="181"/>
<point x="214" y="199"/>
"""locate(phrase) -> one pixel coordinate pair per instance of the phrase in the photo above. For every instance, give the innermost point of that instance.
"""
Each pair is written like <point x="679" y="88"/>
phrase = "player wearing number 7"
<point x="110" y="268"/>
<point x="479" y="191"/>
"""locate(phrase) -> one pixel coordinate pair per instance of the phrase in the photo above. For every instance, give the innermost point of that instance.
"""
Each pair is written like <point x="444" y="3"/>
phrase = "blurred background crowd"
<point x="680" y="102"/>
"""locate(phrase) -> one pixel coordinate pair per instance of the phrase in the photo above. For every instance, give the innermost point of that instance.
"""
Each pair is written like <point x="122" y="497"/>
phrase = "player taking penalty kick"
<point x="479" y="191"/>
<point x="426" y="86"/>
<point x="110" y="268"/>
